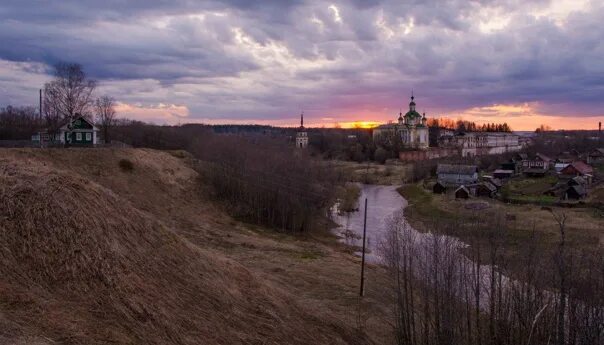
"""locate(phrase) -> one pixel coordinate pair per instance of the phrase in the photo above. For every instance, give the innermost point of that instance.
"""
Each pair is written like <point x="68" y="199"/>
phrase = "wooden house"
<point x="577" y="168"/>
<point x="462" y="193"/>
<point x="79" y="132"/>
<point x="456" y="175"/>
<point x="596" y="156"/>
<point x="485" y="189"/>
<point x="537" y="166"/>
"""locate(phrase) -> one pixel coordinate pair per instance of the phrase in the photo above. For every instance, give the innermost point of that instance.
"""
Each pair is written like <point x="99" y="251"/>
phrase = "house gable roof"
<point x="580" y="167"/>
<point x="599" y="152"/>
<point x="542" y="157"/>
<point x="66" y="122"/>
<point x="579" y="190"/>
<point x="463" y="189"/>
<point x="487" y="185"/>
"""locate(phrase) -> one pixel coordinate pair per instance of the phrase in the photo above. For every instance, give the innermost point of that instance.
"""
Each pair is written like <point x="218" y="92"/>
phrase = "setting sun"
<point x="358" y="124"/>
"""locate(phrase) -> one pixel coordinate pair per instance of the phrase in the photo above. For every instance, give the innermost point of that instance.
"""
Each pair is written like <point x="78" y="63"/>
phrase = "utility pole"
<point x="40" y="104"/>
<point x="363" y="253"/>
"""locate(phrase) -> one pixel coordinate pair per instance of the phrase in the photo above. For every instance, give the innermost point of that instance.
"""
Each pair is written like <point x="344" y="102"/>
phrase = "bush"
<point x="126" y="165"/>
<point x="380" y="155"/>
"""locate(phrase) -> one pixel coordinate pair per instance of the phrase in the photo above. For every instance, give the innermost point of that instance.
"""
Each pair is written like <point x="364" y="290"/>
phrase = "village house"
<point x="596" y="156"/>
<point x="456" y="175"/>
<point x="77" y="132"/>
<point x="577" y="168"/>
<point x="537" y="166"/>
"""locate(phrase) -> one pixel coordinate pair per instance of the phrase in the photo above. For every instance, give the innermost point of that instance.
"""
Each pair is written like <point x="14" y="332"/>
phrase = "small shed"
<point x="575" y="192"/>
<point x="439" y="188"/>
<point x="485" y="189"/>
<point x="462" y="193"/>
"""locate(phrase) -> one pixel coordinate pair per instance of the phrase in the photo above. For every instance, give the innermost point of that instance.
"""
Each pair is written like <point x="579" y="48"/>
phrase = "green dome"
<point x="412" y="114"/>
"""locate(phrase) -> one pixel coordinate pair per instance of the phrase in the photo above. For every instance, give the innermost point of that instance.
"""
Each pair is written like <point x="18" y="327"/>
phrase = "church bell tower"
<point x="302" y="135"/>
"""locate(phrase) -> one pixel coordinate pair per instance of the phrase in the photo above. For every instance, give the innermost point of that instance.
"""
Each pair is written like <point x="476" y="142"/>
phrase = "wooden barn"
<point x="575" y="193"/>
<point x="485" y="189"/>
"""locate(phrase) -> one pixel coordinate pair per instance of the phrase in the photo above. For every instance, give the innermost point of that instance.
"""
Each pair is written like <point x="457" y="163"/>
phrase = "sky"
<point x="524" y="62"/>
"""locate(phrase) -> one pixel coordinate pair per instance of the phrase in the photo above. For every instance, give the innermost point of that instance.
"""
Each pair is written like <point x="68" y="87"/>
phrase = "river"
<point x="384" y="202"/>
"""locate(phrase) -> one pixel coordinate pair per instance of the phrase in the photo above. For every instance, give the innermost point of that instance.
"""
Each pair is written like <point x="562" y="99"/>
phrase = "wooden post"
<point x="363" y="253"/>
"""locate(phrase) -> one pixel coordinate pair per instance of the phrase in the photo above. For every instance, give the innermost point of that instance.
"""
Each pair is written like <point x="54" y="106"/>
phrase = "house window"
<point x="78" y="136"/>
<point x="88" y="136"/>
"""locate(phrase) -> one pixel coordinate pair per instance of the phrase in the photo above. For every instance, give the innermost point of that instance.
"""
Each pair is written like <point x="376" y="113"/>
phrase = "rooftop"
<point x="456" y="169"/>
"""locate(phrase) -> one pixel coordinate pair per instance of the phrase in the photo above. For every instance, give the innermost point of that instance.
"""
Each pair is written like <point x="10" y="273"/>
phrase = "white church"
<point x="302" y="134"/>
<point x="411" y="129"/>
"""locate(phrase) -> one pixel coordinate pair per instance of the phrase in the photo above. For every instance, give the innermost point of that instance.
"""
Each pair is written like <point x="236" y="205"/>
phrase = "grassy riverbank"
<point x="472" y="221"/>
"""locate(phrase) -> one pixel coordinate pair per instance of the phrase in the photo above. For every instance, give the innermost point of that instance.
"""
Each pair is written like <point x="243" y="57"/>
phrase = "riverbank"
<point x="471" y="221"/>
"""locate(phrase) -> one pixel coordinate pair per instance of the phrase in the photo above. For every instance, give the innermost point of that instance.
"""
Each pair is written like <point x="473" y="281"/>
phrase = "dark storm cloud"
<point x="237" y="58"/>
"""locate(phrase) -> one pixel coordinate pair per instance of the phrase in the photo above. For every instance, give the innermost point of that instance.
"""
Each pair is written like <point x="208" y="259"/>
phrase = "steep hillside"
<point x="94" y="253"/>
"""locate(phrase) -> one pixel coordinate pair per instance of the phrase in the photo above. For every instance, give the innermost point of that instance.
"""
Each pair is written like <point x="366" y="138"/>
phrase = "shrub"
<point x="126" y="165"/>
<point x="380" y="155"/>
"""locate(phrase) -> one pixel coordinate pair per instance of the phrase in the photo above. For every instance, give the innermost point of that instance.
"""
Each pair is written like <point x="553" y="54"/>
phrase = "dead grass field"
<point x="91" y="253"/>
<point x="391" y="173"/>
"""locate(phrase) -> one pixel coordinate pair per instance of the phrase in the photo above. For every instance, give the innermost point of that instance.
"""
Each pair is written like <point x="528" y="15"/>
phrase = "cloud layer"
<point x="264" y="61"/>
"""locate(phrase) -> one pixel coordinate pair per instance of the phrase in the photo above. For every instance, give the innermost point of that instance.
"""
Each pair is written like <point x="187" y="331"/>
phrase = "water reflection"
<point x="383" y="203"/>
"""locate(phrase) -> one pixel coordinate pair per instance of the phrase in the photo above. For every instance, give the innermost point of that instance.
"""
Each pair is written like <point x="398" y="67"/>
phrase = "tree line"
<point x="468" y="126"/>
<point x="447" y="293"/>
<point x="266" y="181"/>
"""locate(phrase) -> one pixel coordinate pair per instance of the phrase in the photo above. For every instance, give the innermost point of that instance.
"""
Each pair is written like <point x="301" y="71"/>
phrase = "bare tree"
<point x="68" y="94"/>
<point x="105" y="110"/>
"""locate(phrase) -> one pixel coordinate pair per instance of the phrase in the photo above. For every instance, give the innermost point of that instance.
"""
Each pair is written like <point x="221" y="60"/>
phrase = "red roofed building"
<point x="578" y="168"/>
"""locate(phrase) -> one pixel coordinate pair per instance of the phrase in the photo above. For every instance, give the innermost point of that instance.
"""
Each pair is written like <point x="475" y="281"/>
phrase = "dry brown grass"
<point x="93" y="255"/>
<point x="391" y="173"/>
